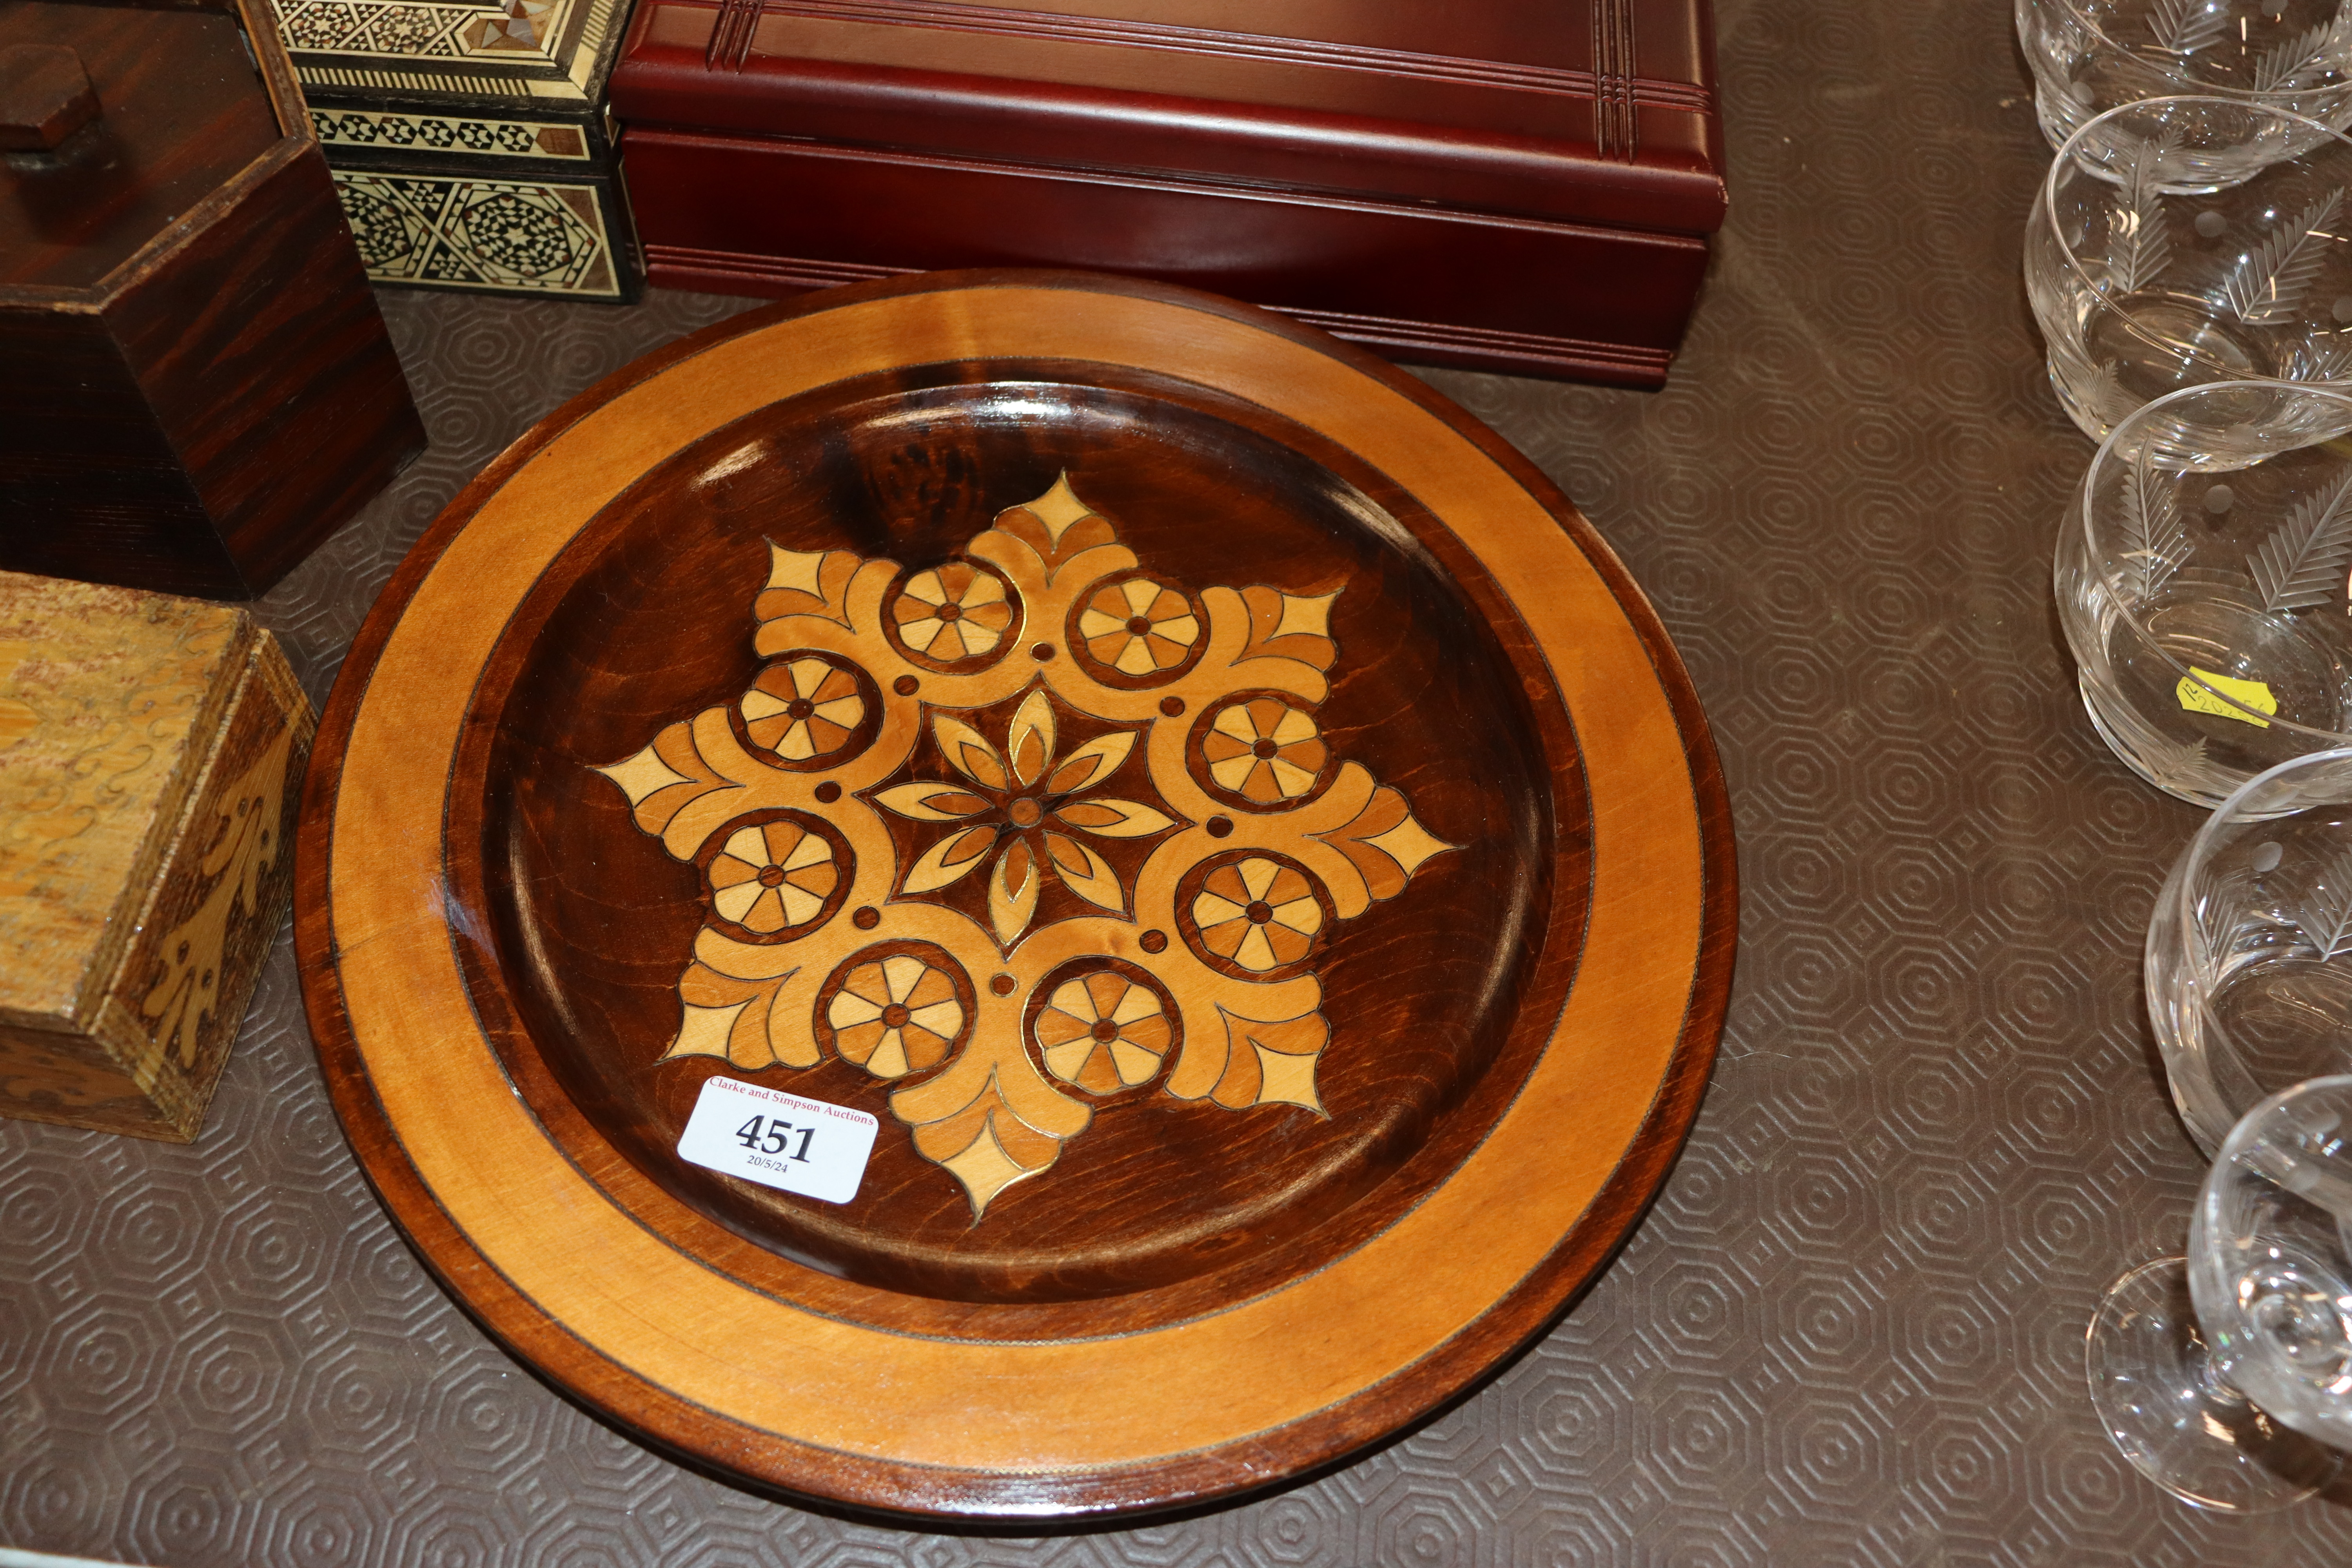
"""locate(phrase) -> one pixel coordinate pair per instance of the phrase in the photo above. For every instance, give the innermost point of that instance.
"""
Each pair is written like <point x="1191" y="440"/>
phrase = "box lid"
<point x="555" y="52"/>
<point x="106" y="696"/>
<point x="172" y="108"/>
<point x="1594" y="110"/>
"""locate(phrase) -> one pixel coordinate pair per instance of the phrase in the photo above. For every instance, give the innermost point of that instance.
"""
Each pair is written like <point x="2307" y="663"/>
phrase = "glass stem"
<point x="2212" y="1380"/>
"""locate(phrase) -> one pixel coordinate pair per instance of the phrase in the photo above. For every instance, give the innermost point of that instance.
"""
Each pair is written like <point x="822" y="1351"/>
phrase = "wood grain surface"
<point x="44" y="96"/>
<point x="108" y="700"/>
<point x="1195" y="1299"/>
<point x="1504" y="109"/>
<point x="1499" y="189"/>
<point x="181" y="111"/>
<point x="195" y="384"/>
<point x="149" y="753"/>
<point x="633" y="626"/>
<point x="755" y="215"/>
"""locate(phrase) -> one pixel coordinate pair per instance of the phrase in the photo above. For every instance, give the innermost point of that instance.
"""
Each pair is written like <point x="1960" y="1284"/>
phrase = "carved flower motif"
<point x="1258" y="914"/>
<point x="1023" y="811"/>
<point x="1265" y="751"/>
<point x="953" y="612"/>
<point x="771" y="877"/>
<point x="1138" y="628"/>
<point x="1104" y="1032"/>
<point x="895" y="1015"/>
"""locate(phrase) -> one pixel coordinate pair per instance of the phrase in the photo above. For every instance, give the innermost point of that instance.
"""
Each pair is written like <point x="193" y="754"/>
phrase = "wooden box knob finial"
<point x="45" y="97"/>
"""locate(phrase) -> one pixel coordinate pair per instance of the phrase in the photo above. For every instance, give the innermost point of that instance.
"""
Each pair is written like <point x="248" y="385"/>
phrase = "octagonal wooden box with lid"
<point x="1013" y="896"/>
<point x="195" y="384"/>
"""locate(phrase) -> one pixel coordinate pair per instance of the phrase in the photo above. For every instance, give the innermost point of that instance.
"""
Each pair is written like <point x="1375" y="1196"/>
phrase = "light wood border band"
<point x="835" y="1409"/>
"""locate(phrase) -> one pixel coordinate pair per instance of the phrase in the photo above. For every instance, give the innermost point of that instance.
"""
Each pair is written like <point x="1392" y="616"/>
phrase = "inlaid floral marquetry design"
<point x="1267" y="751"/>
<point x="1021" y="833"/>
<point x="1025" y="812"/>
<point x="803" y="710"/>
<point x="1104" y="1032"/>
<point x="895" y="1014"/>
<point x="951" y="614"/>
<point x="1256" y="913"/>
<point x="773" y="877"/>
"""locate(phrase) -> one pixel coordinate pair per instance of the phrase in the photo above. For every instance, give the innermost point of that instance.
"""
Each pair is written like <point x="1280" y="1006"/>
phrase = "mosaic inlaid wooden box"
<point x="470" y="141"/>
<point x="149" y="752"/>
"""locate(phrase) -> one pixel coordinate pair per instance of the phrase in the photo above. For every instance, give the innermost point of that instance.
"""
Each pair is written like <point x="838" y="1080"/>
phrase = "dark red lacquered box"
<point x="1523" y="185"/>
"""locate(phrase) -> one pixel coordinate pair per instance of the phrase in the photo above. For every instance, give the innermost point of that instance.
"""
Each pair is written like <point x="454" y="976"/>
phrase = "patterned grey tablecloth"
<point x="1850" y="1332"/>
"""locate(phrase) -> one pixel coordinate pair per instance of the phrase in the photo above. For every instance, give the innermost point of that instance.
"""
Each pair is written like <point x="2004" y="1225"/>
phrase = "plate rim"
<point x="1211" y="1289"/>
<point x="1415" y="1392"/>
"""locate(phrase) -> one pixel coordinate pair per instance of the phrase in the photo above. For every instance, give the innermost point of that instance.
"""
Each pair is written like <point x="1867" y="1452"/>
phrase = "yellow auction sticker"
<point x="2252" y="693"/>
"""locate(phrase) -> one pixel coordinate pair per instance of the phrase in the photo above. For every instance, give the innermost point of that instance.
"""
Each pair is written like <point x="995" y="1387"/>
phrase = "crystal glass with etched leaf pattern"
<point x="2205" y="597"/>
<point x="2162" y="253"/>
<point x="2249" y="979"/>
<point x="2249" y="967"/>
<point x="2270" y="1258"/>
<point x="2090" y="55"/>
<point x="2226" y="1377"/>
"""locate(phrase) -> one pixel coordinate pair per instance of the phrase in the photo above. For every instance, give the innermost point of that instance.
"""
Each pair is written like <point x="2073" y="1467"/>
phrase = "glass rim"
<point x="2234" y="1144"/>
<point x="2334" y="391"/>
<point x="2245" y="95"/>
<point x="2209" y="833"/>
<point x="2047" y="201"/>
<point x="2206" y="1273"/>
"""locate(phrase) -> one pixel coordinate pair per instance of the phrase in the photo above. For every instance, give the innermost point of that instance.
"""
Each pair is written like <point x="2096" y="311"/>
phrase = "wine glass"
<point x="2248" y="975"/>
<point x="2204" y="598"/>
<point x="2089" y="55"/>
<point x="2178" y="241"/>
<point x="2169" y="1403"/>
<point x="2226" y="1377"/>
<point x="2270" y="1258"/>
<point x="2249" y="960"/>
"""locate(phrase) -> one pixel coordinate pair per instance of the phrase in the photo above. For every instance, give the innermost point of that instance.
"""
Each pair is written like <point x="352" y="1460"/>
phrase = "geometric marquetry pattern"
<point x="1849" y="1332"/>
<point x="546" y="237"/>
<point x="1154" y="781"/>
<point x="462" y="134"/>
<point x="521" y="32"/>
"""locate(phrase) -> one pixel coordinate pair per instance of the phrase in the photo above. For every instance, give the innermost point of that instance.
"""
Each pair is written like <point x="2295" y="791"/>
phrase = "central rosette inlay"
<point x="1036" y="828"/>
<point x="1059" y="806"/>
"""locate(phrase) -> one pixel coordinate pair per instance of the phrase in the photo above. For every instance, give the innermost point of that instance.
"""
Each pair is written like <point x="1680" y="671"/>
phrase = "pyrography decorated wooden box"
<point x="470" y="141"/>
<point x="150" y="751"/>
<point x="195" y="384"/>
<point x="1525" y="185"/>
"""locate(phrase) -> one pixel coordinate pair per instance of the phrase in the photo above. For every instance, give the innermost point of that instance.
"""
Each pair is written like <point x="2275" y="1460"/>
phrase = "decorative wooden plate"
<point x="1225" y="814"/>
